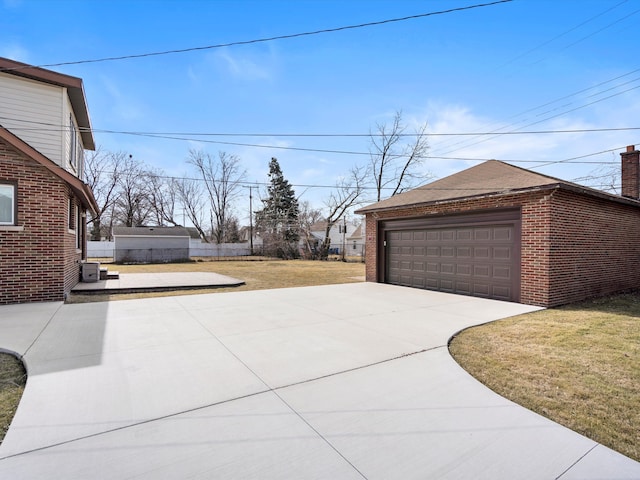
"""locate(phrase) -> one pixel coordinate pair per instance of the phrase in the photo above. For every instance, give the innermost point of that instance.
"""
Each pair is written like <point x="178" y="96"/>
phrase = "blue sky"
<point x="526" y="64"/>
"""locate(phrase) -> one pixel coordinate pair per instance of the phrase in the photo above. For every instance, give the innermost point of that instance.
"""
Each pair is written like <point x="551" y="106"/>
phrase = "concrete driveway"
<point x="333" y="382"/>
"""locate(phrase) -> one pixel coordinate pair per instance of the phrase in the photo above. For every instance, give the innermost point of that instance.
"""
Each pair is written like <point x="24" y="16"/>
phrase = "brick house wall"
<point x="573" y="246"/>
<point x="41" y="261"/>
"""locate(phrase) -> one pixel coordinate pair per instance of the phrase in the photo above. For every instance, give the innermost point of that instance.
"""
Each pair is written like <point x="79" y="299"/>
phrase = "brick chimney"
<point x="631" y="173"/>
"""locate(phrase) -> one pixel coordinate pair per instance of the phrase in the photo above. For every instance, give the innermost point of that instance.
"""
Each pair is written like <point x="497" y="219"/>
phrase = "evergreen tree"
<point x="277" y="222"/>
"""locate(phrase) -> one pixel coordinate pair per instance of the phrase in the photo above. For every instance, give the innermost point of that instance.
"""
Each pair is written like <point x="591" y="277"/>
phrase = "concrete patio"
<point x="156" y="282"/>
<point x="340" y="382"/>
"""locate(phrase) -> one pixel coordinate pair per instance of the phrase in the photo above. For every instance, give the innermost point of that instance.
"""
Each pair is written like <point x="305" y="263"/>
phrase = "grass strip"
<point x="578" y="365"/>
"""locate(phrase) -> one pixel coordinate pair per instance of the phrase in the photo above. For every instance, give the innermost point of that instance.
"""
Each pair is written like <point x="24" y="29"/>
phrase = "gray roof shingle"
<point x="490" y="177"/>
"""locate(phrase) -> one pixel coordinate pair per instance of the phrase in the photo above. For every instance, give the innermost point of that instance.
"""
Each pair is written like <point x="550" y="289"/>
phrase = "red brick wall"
<point x="594" y="248"/>
<point x="573" y="246"/>
<point x="39" y="263"/>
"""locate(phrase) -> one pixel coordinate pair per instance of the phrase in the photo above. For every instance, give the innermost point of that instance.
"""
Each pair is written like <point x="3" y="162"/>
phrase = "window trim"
<point x="14" y="184"/>
<point x="73" y="144"/>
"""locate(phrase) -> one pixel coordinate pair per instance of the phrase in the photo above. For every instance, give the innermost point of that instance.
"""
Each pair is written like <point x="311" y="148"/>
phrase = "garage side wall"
<point x="535" y="236"/>
<point x="594" y="248"/>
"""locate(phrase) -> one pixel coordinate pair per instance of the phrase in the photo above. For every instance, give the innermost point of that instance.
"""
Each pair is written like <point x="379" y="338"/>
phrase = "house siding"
<point x="35" y="103"/>
<point x="573" y="246"/>
<point x="40" y="262"/>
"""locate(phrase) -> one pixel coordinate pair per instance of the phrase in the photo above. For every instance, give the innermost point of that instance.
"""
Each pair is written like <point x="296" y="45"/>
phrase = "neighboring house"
<point x="151" y="244"/>
<point x="44" y="130"/>
<point x="355" y="242"/>
<point x="338" y="235"/>
<point x="503" y="232"/>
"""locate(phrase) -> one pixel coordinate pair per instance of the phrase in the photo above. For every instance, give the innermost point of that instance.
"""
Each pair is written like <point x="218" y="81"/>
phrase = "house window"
<point x="79" y="229"/>
<point x="8" y="204"/>
<point x="72" y="215"/>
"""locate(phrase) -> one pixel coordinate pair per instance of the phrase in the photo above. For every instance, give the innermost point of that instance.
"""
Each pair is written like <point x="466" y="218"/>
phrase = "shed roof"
<point x="150" y="232"/>
<point x="489" y="178"/>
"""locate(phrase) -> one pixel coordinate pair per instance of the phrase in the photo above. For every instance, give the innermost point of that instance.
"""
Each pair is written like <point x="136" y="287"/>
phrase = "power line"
<point x="563" y="34"/>
<point x="533" y="109"/>
<point x="268" y="39"/>
<point x="63" y="128"/>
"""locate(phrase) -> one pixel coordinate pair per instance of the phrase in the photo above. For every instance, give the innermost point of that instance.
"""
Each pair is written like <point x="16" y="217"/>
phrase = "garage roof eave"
<point x="552" y="186"/>
<point x="373" y="209"/>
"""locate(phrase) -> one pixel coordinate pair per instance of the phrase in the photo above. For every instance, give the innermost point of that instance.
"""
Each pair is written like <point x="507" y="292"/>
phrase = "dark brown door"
<point x="479" y="260"/>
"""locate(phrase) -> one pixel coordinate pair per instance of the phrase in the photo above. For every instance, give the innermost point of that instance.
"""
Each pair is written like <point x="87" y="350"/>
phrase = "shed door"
<point x="478" y="260"/>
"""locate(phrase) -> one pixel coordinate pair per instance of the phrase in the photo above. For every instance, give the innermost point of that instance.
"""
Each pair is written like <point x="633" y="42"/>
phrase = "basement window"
<point x="8" y="204"/>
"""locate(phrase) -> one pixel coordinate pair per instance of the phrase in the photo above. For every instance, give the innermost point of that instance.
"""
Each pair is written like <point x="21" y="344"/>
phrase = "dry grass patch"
<point x="257" y="275"/>
<point x="12" y="380"/>
<point x="578" y="365"/>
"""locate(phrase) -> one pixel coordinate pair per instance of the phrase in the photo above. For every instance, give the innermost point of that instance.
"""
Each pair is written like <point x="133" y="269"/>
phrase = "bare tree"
<point x="132" y="205"/>
<point x="102" y="173"/>
<point x="221" y="177"/>
<point x="604" y="177"/>
<point x="191" y="195"/>
<point x="347" y="193"/>
<point x="396" y="164"/>
<point x="307" y="217"/>
<point x="163" y="198"/>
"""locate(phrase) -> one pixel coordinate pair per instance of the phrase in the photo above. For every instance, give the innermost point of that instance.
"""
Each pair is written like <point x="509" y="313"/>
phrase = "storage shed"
<point x="507" y="233"/>
<point x="151" y="244"/>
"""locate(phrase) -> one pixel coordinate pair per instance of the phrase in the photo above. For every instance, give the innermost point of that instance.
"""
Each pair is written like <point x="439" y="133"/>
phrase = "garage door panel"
<point x="502" y="272"/>
<point x="482" y="271"/>
<point x="479" y="260"/>
<point x="463" y="269"/>
<point x="463" y="288"/>
<point x="447" y="268"/>
<point x="447" y="235"/>
<point x="464" y="234"/>
<point x="482" y="234"/>
<point x="502" y="253"/>
<point x="501" y="292"/>
<point x="447" y="251"/>
<point x="503" y="233"/>
<point x="481" y="290"/>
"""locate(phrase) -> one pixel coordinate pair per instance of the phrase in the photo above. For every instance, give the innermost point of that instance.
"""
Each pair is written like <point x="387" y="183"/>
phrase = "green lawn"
<point x="578" y="365"/>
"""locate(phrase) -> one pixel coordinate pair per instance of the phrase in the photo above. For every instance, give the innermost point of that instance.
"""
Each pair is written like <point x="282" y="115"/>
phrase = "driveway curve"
<point x="340" y="382"/>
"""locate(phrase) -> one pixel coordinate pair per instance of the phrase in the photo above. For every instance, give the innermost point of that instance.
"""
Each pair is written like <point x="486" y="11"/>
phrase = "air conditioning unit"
<point x="90" y="272"/>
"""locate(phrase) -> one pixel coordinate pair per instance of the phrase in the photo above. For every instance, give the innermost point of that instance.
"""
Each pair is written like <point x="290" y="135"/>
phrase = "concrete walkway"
<point x="333" y="382"/>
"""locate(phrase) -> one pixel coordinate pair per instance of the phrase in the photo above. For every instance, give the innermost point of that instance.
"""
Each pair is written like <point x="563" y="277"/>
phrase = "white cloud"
<point x="125" y="108"/>
<point x="532" y="149"/>
<point x="247" y="66"/>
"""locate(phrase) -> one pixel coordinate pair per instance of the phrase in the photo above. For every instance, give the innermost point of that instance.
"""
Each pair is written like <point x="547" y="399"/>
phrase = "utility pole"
<point x="250" y="187"/>
<point x="344" y="236"/>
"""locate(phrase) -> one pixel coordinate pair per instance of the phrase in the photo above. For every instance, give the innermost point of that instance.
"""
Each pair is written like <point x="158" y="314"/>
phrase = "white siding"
<point x="33" y="111"/>
<point x="67" y="137"/>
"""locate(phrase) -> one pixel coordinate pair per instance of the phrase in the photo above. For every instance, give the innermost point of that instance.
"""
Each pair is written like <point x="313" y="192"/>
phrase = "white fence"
<point x="101" y="249"/>
<point x="199" y="249"/>
<point x="196" y="249"/>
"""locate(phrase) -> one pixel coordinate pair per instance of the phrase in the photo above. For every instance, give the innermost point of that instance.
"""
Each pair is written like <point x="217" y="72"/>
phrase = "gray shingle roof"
<point x="490" y="177"/>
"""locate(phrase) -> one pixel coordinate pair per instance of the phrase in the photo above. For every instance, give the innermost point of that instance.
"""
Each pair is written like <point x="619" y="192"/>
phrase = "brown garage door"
<point x="479" y="260"/>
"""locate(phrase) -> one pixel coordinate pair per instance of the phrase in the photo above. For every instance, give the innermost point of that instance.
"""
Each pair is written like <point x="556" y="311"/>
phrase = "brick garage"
<point x="41" y="255"/>
<point x="570" y="242"/>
